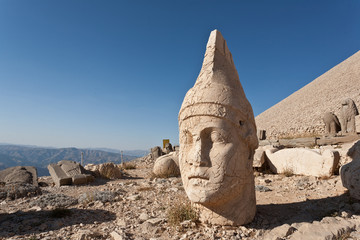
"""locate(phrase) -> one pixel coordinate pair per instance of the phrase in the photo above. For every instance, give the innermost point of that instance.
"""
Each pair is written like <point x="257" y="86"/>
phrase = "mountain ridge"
<point x="40" y="157"/>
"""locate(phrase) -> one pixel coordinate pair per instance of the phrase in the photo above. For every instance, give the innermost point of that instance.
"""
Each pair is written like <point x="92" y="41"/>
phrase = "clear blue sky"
<point x="87" y="73"/>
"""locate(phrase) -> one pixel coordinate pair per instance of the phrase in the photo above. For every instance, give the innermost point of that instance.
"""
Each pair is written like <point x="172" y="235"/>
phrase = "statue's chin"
<point x="202" y="197"/>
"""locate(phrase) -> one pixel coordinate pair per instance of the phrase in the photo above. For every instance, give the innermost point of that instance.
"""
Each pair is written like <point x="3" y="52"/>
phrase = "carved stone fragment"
<point x="348" y="113"/>
<point x="332" y="124"/>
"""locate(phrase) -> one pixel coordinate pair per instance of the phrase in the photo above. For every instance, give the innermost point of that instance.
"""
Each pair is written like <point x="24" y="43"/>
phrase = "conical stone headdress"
<point x="217" y="91"/>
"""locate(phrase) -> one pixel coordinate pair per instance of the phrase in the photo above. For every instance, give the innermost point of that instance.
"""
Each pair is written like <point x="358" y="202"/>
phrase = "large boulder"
<point x="167" y="165"/>
<point x="303" y="161"/>
<point x="18" y="182"/>
<point x="105" y="170"/>
<point x="68" y="172"/>
<point x="19" y="174"/>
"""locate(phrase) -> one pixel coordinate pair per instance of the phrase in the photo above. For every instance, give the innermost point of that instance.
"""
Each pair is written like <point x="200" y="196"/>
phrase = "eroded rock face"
<point x="303" y="161"/>
<point x="217" y="141"/>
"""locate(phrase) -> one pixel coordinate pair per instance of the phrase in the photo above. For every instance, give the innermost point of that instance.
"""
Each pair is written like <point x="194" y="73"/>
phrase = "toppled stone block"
<point x="79" y="179"/>
<point x="303" y="161"/>
<point x="68" y="172"/>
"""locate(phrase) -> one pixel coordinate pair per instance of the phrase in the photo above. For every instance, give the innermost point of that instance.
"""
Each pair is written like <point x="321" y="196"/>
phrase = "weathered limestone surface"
<point x="303" y="161"/>
<point x="350" y="172"/>
<point x="167" y="165"/>
<point x="68" y="172"/>
<point x="218" y="140"/>
<point x="19" y="174"/>
<point x="300" y="114"/>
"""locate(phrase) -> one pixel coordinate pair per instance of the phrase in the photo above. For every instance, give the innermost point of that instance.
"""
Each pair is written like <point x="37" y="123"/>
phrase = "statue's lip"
<point x="198" y="176"/>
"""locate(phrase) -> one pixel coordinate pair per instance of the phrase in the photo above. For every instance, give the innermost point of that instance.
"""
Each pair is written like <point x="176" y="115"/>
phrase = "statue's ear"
<point x="251" y="137"/>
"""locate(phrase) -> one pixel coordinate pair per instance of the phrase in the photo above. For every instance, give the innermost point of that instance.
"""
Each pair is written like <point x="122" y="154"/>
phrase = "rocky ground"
<point x="138" y="206"/>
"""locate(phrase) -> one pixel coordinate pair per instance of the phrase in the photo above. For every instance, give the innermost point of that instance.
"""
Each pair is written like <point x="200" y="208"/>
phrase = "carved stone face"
<point x="214" y="160"/>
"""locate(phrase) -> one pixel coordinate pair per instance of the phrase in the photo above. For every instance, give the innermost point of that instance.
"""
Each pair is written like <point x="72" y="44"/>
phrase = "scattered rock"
<point x="18" y="190"/>
<point x="53" y="200"/>
<point x="262" y="188"/>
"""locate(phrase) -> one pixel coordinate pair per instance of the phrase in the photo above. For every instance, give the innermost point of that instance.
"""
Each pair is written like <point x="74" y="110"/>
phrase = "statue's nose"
<point x="199" y="159"/>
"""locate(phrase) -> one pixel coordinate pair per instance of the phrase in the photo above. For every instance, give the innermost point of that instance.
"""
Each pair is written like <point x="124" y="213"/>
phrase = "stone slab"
<point x="338" y="140"/>
<point x="58" y="175"/>
<point x="303" y="161"/>
<point x="298" y="142"/>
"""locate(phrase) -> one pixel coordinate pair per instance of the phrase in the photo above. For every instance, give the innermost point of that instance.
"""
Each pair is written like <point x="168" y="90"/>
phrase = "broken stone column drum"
<point x="218" y="140"/>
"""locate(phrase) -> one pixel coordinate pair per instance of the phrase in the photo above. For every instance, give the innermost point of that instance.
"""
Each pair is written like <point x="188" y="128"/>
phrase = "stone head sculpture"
<point x="348" y="113"/>
<point x="217" y="141"/>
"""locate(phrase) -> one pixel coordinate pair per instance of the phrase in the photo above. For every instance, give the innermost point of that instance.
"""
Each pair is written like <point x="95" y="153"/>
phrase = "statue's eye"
<point x="216" y="137"/>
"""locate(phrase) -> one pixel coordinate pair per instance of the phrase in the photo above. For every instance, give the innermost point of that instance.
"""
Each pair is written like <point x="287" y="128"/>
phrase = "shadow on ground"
<point x="269" y="216"/>
<point x="33" y="222"/>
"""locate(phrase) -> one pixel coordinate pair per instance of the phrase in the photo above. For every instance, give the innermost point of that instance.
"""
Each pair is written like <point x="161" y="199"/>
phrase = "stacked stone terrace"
<point x="300" y="114"/>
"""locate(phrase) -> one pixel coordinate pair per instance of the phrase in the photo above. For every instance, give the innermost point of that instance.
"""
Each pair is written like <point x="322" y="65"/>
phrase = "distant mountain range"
<point x="41" y="157"/>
